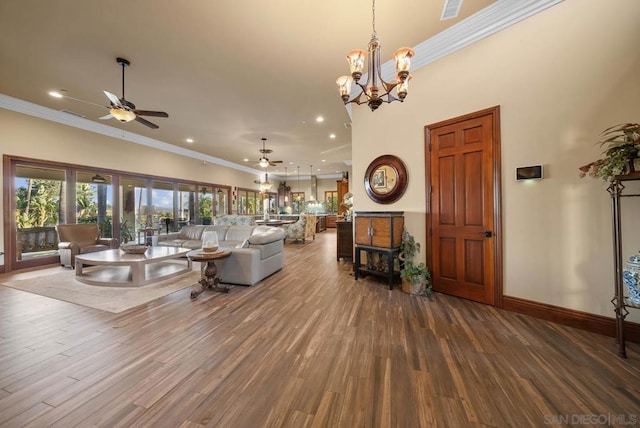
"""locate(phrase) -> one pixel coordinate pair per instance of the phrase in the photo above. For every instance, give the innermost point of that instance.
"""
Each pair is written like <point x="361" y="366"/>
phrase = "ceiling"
<point x="228" y="73"/>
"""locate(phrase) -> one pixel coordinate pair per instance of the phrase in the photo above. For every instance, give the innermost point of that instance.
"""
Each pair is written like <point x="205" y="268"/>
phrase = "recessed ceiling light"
<point x="245" y="159"/>
<point x="189" y="140"/>
<point x="290" y="163"/>
<point x="332" y="136"/>
<point x="319" y="119"/>
<point x="323" y="160"/>
<point x="56" y="94"/>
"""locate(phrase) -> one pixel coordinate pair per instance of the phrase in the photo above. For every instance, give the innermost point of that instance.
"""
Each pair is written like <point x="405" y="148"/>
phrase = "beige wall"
<point x="23" y="135"/>
<point x="560" y="78"/>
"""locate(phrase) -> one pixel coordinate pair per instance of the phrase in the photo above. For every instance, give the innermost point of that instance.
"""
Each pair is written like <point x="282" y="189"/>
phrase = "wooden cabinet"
<point x="331" y="221"/>
<point x="343" y="187"/>
<point x="378" y="235"/>
<point x="379" y="229"/>
<point x="344" y="239"/>
<point x="321" y="223"/>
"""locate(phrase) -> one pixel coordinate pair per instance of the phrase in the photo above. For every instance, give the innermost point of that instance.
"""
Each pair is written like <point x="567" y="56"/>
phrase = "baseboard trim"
<point x="570" y="317"/>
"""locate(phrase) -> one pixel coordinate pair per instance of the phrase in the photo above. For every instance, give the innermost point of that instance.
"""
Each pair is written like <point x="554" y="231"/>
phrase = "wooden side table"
<point x="389" y="254"/>
<point x="209" y="271"/>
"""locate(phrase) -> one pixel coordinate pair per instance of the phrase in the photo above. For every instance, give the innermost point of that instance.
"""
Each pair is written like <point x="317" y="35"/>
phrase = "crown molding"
<point x="490" y="20"/>
<point x="46" y="113"/>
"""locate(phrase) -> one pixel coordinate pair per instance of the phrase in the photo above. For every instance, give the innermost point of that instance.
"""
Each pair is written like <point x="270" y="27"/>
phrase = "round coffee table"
<point x="209" y="270"/>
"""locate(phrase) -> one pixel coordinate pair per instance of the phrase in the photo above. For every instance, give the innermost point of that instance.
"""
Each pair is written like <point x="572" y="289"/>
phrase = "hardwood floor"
<point x="308" y="347"/>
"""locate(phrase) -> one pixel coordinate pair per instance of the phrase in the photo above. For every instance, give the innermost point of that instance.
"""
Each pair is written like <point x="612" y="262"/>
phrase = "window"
<point x="331" y="201"/>
<point x="250" y="202"/>
<point x="163" y="205"/>
<point x="45" y="194"/>
<point x="39" y="204"/>
<point x="297" y="203"/>
<point x="94" y="201"/>
<point x="133" y="207"/>
<point x="205" y="204"/>
<point x="186" y="204"/>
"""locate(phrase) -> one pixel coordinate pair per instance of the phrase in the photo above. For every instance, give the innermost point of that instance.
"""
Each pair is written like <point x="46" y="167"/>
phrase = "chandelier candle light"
<point x="376" y="90"/>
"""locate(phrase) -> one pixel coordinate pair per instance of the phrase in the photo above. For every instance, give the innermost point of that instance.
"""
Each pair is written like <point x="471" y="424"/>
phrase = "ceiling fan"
<point x="125" y="111"/>
<point x="264" y="160"/>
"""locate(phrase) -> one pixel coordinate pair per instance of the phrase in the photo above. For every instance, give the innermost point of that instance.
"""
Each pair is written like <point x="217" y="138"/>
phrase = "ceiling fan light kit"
<point x="375" y="91"/>
<point x="122" y="115"/>
<point x="264" y="160"/>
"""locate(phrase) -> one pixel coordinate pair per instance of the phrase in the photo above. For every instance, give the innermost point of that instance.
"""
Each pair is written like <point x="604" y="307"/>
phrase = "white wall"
<point x="560" y="78"/>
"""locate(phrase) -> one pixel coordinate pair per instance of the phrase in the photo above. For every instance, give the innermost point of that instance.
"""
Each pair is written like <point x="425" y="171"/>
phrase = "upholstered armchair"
<point x="74" y="239"/>
<point x="310" y="226"/>
<point x="300" y="230"/>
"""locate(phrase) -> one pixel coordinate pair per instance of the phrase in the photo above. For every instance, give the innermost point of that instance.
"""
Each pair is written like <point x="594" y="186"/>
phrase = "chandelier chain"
<point x="373" y="18"/>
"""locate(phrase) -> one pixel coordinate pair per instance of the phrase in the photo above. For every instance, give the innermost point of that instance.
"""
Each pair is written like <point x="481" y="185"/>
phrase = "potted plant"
<point x="415" y="277"/>
<point x="622" y="148"/>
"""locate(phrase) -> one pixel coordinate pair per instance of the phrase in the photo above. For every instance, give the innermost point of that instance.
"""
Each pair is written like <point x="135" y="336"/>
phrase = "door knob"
<point x="487" y="234"/>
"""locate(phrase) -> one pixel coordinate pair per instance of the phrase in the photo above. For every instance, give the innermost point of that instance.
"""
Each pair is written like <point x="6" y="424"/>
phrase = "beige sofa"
<point x="74" y="239"/>
<point x="256" y="251"/>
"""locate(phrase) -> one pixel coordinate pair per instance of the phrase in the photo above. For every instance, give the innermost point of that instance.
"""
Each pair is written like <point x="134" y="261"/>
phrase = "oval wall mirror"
<point x="386" y="179"/>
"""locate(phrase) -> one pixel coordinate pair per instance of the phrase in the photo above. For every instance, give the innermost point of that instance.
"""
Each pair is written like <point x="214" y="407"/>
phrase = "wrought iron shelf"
<point x="620" y="301"/>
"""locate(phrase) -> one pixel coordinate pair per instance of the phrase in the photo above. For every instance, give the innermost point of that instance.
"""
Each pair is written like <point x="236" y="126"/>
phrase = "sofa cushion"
<point x="191" y="232"/>
<point x="171" y="242"/>
<point x="220" y="230"/>
<point x="194" y="244"/>
<point x="82" y="234"/>
<point x="273" y="234"/>
<point x="93" y="248"/>
<point x="238" y="233"/>
<point x="243" y="244"/>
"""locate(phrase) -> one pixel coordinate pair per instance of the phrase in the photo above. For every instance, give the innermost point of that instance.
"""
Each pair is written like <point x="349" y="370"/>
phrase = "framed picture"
<point x="385" y="179"/>
<point x="380" y="179"/>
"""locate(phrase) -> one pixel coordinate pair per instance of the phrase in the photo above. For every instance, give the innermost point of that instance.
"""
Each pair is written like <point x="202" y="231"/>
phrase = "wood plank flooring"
<point x="308" y="347"/>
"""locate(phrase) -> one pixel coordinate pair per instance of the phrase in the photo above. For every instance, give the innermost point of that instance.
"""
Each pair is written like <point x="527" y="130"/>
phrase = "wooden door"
<point x="463" y="217"/>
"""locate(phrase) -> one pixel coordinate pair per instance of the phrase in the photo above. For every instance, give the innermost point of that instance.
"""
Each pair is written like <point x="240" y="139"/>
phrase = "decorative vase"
<point x="631" y="279"/>
<point x="417" y="288"/>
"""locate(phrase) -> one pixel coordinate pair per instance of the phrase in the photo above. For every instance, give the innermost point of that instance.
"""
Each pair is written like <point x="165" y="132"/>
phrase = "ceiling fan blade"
<point x="145" y="122"/>
<point x="151" y="113"/>
<point x="108" y="116"/>
<point x="114" y="100"/>
<point x="276" y="161"/>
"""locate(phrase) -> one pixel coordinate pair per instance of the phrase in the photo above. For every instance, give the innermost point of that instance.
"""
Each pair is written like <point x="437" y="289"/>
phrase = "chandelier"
<point x="265" y="185"/>
<point x="376" y="91"/>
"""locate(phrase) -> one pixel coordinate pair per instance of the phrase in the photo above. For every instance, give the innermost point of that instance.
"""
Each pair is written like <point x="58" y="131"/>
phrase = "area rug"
<point x="63" y="286"/>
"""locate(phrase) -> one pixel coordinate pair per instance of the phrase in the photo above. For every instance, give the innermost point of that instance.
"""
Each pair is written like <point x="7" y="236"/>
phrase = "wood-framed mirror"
<point x="386" y="179"/>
